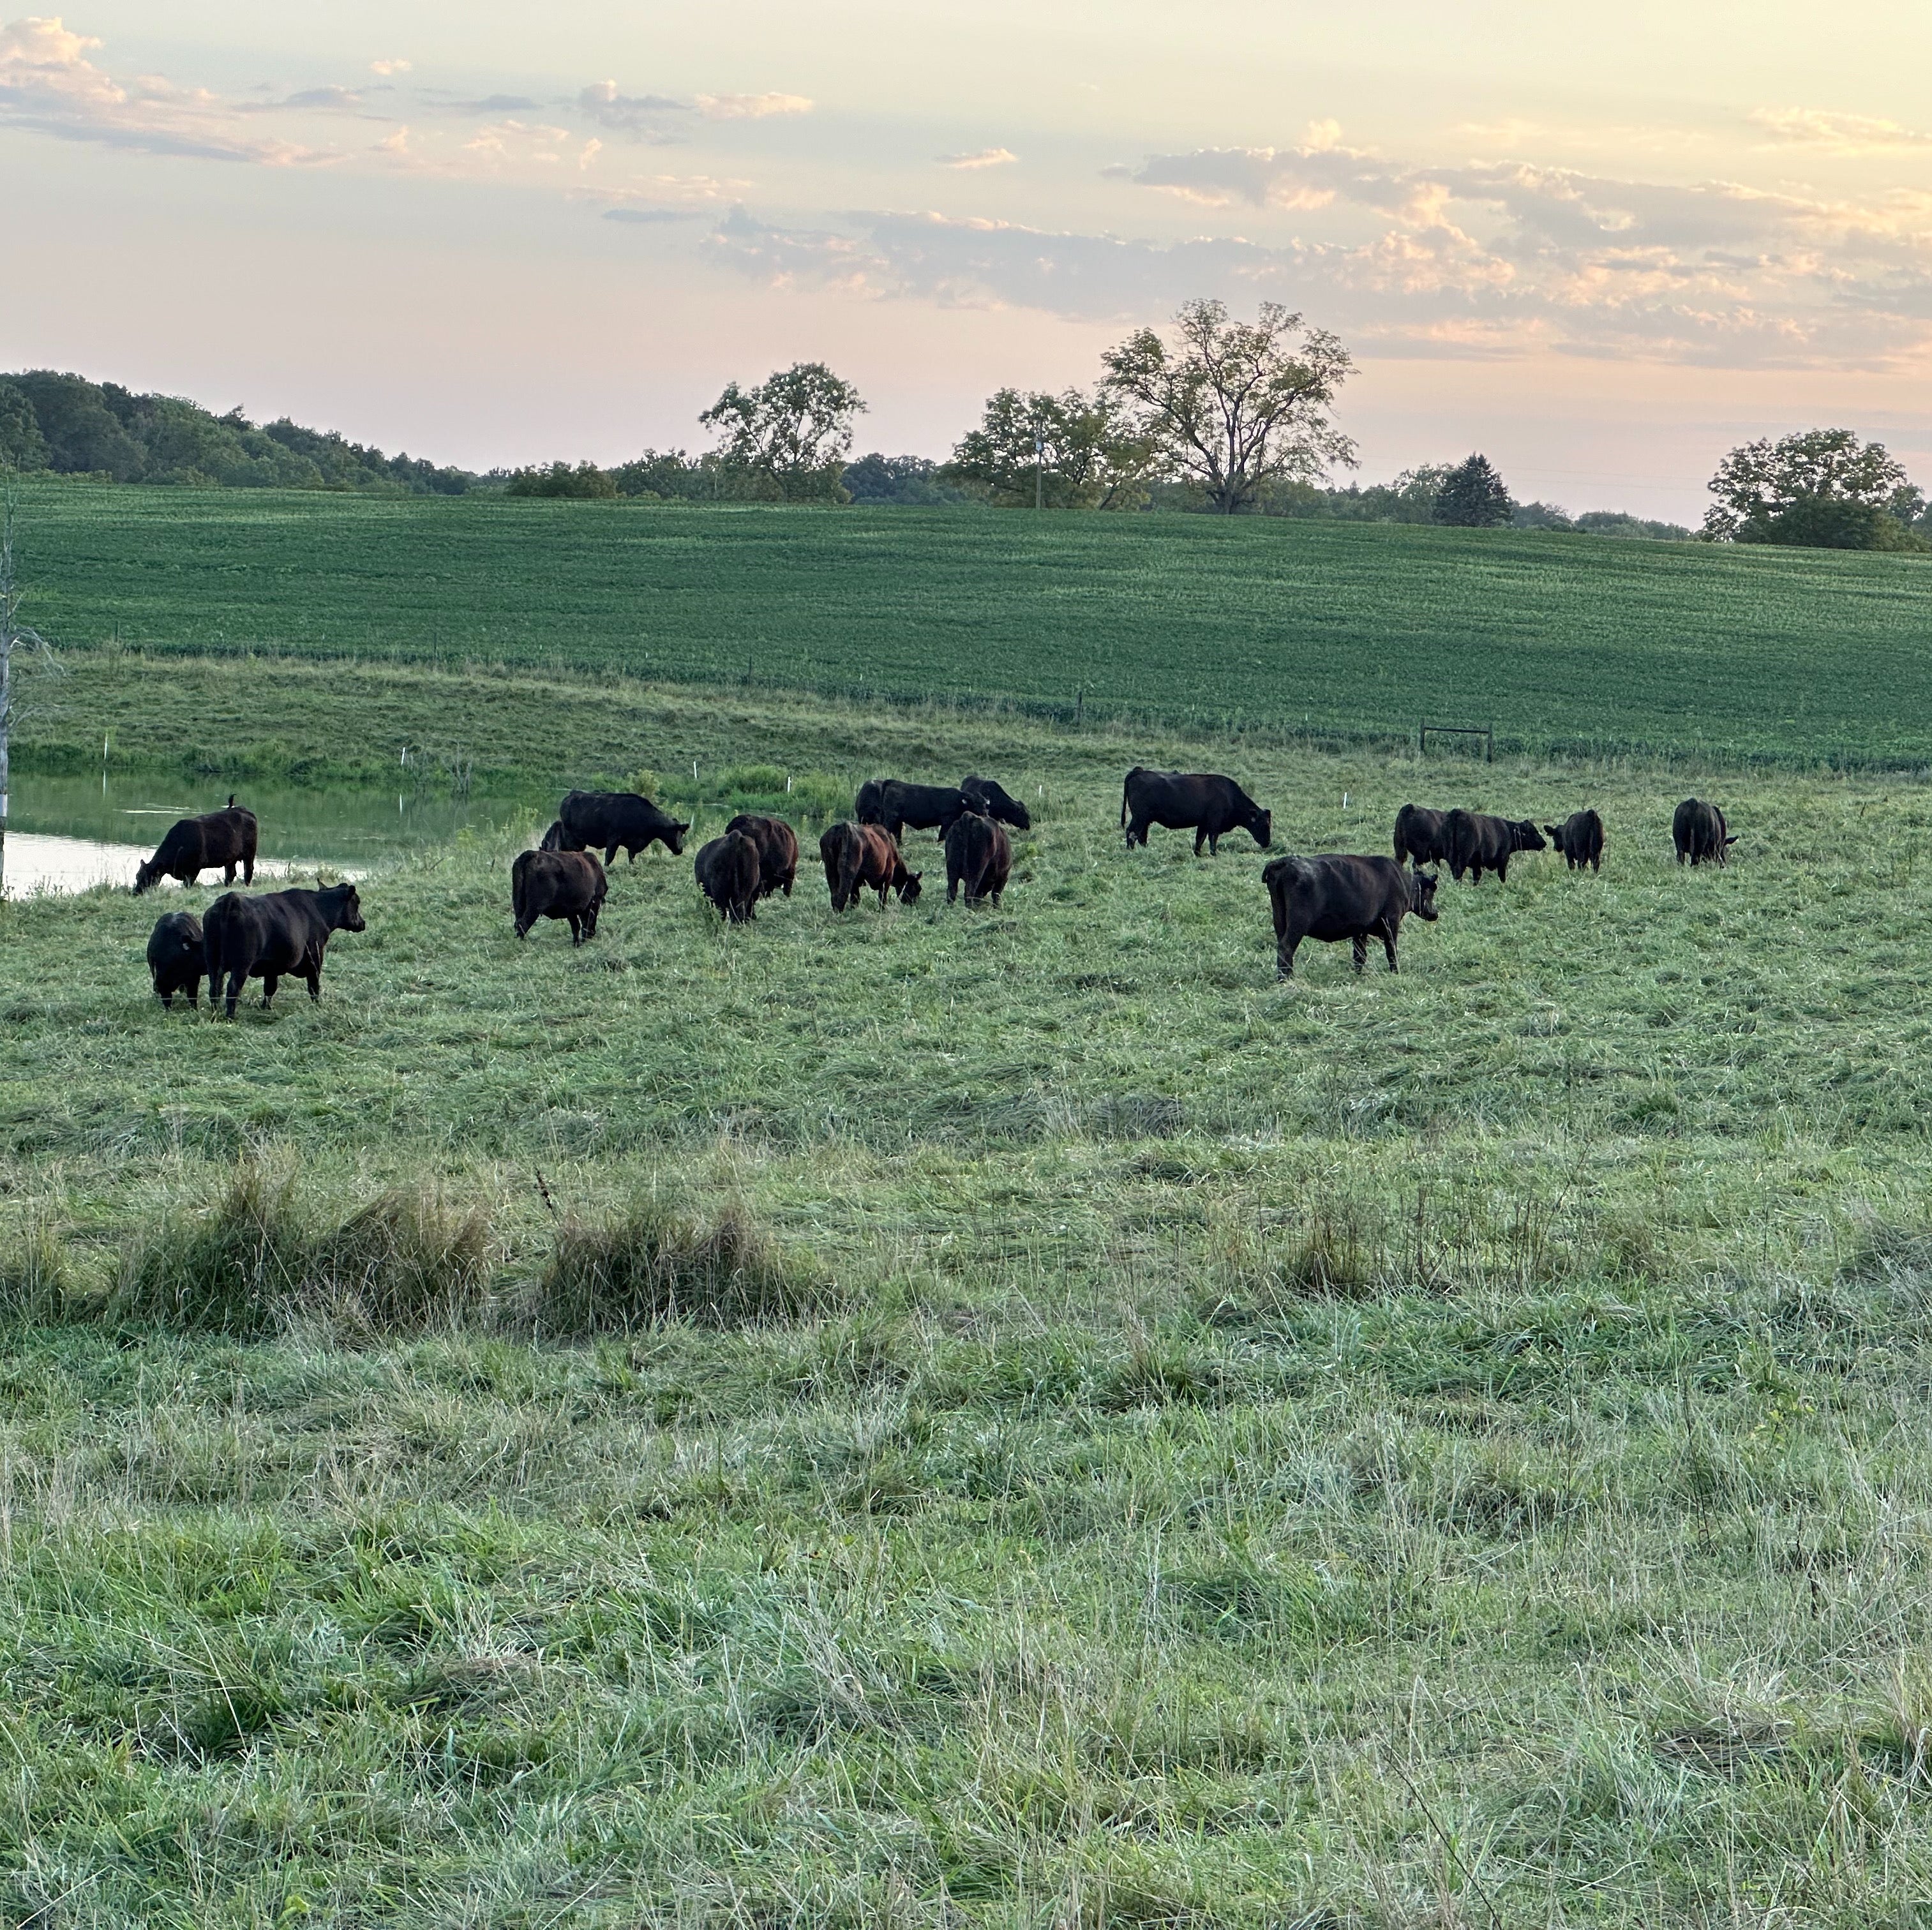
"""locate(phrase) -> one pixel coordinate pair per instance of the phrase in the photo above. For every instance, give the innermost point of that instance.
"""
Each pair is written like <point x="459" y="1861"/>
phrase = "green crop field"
<point x="1559" y="642"/>
<point x="1006" y="1419"/>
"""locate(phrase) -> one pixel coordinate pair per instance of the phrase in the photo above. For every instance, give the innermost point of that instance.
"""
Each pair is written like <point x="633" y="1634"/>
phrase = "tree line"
<point x="1212" y="415"/>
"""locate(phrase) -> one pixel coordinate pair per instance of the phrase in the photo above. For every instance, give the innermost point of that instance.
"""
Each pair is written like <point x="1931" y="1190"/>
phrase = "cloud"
<point x="651" y="216"/>
<point x="48" y="85"/>
<point x="309" y="100"/>
<point x="1837" y="134"/>
<point x="751" y="106"/>
<point x="626" y="113"/>
<point x="491" y="104"/>
<point x="1478" y="258"/>
<point x="984" y="157"/>
<point x="387" y="67"/>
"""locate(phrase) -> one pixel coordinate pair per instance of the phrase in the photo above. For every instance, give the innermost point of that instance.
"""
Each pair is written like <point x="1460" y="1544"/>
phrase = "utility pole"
<point x="1039" y="464"/>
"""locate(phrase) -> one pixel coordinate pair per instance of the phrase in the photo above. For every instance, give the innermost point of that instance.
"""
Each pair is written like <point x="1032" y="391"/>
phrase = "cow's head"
<point x="345" y="908"/>
<point x="149" y="875"/>
<point x="1422" y="893"/>
<point x="1261" y="825"/>
<point x="557" y="838"/>
<point x="1526" y="837"/>
<point x="674" y="837"/>
<point x="1555" y="834"/>
<point x="909" y="887"/>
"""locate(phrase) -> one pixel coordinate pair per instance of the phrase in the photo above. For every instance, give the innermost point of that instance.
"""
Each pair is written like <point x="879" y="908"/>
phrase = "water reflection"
<point x="36" y="863"/>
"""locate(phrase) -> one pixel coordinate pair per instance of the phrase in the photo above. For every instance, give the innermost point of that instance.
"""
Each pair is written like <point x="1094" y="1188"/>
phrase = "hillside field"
<point x="1010" y="1419"/>
<point x="1571" y="644"/>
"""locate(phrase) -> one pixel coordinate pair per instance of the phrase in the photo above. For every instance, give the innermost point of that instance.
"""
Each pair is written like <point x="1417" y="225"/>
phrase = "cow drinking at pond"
<point x="569" y="885"/>
<point x="727" y="870"/>
<point x="979" y="858"/>
<point x="194" y="845"/>
<point x="1419" y="835"/>
<point x="1335" y="897"/>
<point x="281" y="935"/>
<point x="1208" y="806"/>
<point x="862" y="857"/>
<point x="1580" y="838"/>
<point x="174" y="958"/>
<point x="1700" y="833"/>
<point x="778" y="850"/>
<point x="1475" y="843"/>
<point x="611" y="821"/>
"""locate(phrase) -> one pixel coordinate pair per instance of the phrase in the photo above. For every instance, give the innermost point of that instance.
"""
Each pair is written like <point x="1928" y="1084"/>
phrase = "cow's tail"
<point x="1126" y="786"/>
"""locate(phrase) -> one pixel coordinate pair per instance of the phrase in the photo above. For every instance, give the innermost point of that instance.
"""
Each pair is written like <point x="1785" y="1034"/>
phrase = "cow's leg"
<point x="312" y="973"/>
<point x="167" y="1001"/>
<point x="1200" y="837"/>
<point x="1502" y="872"/>
<point x="237" y="978"/>
<point x="193" y="878"/>
<point x="1359" y="945"/>
<point x="269" y="981"/>
<point x="228" y="872"/>
<point x="248" y="868"/>
<point x="1284" y="954"/>
<point x="1388" y="944"/>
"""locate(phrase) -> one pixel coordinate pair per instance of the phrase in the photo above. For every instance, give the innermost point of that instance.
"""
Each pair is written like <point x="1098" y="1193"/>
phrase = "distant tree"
<point x="1472" y="496"/>
<point x="1540" y="516"/>
<point x="1232" y="406"/>
<point x="1617" y="522"/>
<point x="1067" y="451"/>
<point x="794" y="430"/>
<point x="586" y="480"/>
<point x="21" y="445"/>
<point x="1818" y="489"/>
<point x="910" y="481"/>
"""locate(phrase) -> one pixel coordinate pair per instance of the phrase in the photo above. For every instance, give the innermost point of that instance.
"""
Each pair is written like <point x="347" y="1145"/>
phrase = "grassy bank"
<point x="1560" y="642"/>
<point x="1016" y="1419"/>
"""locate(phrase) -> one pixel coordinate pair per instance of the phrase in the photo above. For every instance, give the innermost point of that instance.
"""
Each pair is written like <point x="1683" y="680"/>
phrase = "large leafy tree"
<point x="1818" y="489"/>
<point x="793" y="431"/>
<point x="1472" y="496"/>
<point x="1068" y="452"/>
<point x="1233" y="406"/>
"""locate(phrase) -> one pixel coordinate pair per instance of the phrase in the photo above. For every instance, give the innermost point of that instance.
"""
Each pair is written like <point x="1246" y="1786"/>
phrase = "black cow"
<point x="862" y="857"/>
<point x="1334" y="897"/>
<point x="1580" y="838"/>
<point x="727" y="870"/>
<point x="1209" y="806"/>
<point x="175" y="961"/>
<point x="1700" y="833"/>
<point x="886" y="802"/>
<point x="991" y="799"/>
<point x="1418" y="834"/>
<point x="569" y="885"/>
<point x="194" y="845"/>
<point x="978" y="856"/>
<point x="281" y="935"/>
<point x="611" y="821"/>
<point x="1475" y="843"/>
<point x="778" y="850"/>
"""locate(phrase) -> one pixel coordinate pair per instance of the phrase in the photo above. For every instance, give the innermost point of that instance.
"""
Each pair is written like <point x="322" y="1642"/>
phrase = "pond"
<point x="69" y="834"/>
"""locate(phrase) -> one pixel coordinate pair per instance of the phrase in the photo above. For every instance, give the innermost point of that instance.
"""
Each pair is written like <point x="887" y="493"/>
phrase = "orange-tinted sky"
<point x="1600" y="244"/>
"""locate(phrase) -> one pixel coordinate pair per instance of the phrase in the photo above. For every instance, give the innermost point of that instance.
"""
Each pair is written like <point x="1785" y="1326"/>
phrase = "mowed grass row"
<point x="1140" y="1444"/>
<point x="1560" y="643"/>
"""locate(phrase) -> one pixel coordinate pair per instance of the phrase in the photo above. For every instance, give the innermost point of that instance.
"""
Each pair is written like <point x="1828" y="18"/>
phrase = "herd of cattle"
<point x="1330" y="898"/>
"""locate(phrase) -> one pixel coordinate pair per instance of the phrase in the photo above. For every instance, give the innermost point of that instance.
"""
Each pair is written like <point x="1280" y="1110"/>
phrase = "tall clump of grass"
<point x="653" y="1265"/>
<point x="1331" y="1247"/>
<point x="34" y="1277"/>
<point x="260" y="1256"/>
<point x="230" y="1268"/>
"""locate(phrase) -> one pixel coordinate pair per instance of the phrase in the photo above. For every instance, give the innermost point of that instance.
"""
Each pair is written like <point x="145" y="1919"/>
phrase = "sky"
<point x="1600" y="245"/>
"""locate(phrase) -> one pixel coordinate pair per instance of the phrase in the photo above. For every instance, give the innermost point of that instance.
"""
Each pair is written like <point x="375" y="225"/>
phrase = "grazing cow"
<point x="1333" y="898"/>
<point x="1700" y="833"/>
<point x="175" y="961"/>
<point x="557" y="884"/>
<point x="978" y="856"/>
<point x="1209" y="806"/>
<point x="862" y="857"/>
<point x="1580" y="838"/>
<point x="1476" y="842"/>
<point x="885" y="801"/>
<point x="281" y="935"/>
<point x="611" y="821"/>
<point x="991" y="799"/>
<point x="194" y="845"/>
<point x="1418" y="834"/>
<point x="727" y="870"/>
<point x="778" y="850"/>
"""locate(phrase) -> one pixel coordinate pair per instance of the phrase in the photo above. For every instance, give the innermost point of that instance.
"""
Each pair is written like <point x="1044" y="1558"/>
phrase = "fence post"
<point x="1079" y="705"/>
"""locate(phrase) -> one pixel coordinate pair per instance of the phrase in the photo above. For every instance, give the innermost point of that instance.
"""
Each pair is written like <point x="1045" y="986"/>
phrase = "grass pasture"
<point x="1007" y="1419"/>
<point x="1571" y="643"/>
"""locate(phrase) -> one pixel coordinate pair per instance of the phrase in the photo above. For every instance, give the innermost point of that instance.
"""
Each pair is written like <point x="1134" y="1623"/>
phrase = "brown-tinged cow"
<point x="979" y="858"/>
<point x="727" y="870"/>
<point x="1209" y="806"/>
<point x="778" y="850"/>
<point x="863" y="857"/>
<point x="1336" y="897"/>
<point x="569" y="885"/>
<point x="176" y="958"/>
<point x="194" y="845"/>
<point x="1476" y="842"/>
<point x="1419" y="835"/>
<point x="1580" y="840"/>
<point x="281" y="935"/>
